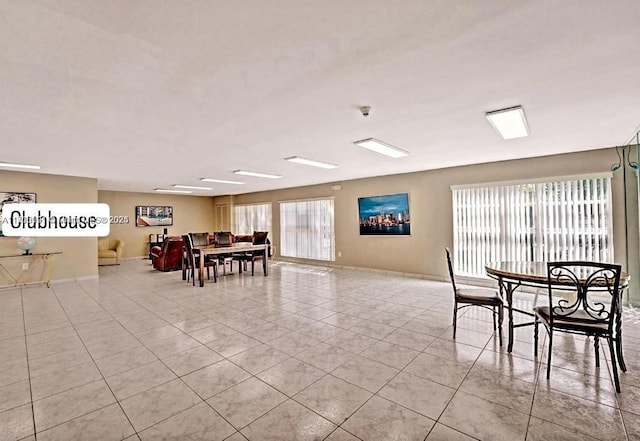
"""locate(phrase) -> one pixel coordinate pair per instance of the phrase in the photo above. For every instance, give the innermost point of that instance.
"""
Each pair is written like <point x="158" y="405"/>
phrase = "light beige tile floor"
<point x="308" y="353"/>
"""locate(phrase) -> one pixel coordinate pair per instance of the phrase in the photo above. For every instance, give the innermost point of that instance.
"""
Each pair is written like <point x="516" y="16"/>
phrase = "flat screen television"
<point x="386" y="215"/>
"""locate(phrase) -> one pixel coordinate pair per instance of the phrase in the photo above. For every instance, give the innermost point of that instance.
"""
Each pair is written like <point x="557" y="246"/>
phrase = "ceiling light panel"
<point x="24" y="166"/>
<point x="509" y="123"/>
<point x="167" y="190"/>
<point x="257" y="174"/>
<point x="381" y="147"/>
<point x="221" y="181"/>
<point x="192" y="187"/>
<point x="311" y="162"/>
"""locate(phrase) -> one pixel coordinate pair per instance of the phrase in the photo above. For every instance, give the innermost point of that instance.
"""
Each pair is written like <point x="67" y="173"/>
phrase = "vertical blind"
<point x="306" y="229"/>
<point x="250" y="218"/>
<point x="564" y="219"/>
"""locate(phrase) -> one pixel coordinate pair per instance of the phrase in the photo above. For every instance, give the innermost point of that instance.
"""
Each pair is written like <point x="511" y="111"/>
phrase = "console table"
<point x="41" y="259"/>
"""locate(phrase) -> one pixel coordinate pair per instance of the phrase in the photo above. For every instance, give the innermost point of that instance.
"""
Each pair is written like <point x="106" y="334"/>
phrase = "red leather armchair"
<point x="169" y="256"/>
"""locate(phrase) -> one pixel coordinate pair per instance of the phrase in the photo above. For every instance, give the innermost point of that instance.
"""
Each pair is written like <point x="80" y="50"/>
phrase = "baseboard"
<point x="74" y="279"/>
<point x="333" y="265"/>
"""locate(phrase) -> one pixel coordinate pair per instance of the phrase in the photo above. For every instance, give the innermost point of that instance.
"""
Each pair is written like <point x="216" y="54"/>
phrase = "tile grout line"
<point x="242" y="305"/>
<point x="457" y="389"/>
<point x="95" y="365"/>
<point x="160" y="360"/>
<point x="26" y="351"/>
<point x="597" y="403"/>
<point x="535" y="387"/>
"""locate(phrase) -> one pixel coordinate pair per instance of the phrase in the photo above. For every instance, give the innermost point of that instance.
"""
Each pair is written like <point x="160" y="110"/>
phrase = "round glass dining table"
<point x="512" y="274"/>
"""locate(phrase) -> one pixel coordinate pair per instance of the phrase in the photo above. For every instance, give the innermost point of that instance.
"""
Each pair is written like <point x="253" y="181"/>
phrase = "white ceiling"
<point x="144" y="94"/>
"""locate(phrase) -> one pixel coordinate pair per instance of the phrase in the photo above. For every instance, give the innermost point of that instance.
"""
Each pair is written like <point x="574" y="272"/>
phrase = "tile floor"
<point x="307" y="353"/>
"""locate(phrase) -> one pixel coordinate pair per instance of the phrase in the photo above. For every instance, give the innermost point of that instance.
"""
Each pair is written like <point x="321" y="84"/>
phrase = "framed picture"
<point x="12" y="197"/>
<point x="154" y="216"/>
<point x="386" y="215"/>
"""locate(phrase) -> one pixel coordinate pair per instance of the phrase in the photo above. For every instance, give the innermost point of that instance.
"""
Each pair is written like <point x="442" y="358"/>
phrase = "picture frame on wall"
<point x="385" y="215"/>
<point x="14" y="197"/>
<point x="154" y="215"/>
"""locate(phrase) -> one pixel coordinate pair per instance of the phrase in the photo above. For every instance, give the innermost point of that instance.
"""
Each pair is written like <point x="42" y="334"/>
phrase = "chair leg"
<point x="494" y="318"/>
<point x="455" y="318"/>
<point x="618" y="340"/>
<point x="500" y="318"/>
<point x="614" y="365"/>
<point x="550" y="350"/>
<point x="253" y="266"/>
<point x="596" y="344"/>
<point x="535" y="337"/>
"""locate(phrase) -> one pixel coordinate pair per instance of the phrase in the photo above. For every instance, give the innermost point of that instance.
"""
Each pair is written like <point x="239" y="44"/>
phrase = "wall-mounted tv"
<point x="386" y="215"/>
<point x="154" y="216"/>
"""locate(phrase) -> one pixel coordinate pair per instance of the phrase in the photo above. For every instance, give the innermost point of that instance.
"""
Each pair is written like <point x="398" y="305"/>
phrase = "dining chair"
<point x="585" y="312"/>
<point x="199" y="239"/>
<point x="224" y="239"/>
<point x="192" y="260"/>
<point x="483" y="297"/>
<point x="259" y="238"/>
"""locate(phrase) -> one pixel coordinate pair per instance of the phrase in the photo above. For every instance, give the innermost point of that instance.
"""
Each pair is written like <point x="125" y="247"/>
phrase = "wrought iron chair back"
<point x="585" y="279"/>
<point x="588" y="313"/>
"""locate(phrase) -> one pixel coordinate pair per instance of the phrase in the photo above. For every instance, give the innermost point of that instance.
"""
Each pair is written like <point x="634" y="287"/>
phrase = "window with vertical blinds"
<point x="563" y="219"/>
<point x="306" y="229"/>
<point x="250" y="218"/>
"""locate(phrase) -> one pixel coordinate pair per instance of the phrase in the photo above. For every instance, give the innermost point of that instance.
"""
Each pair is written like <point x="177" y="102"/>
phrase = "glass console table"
<point x="20" y="273"/>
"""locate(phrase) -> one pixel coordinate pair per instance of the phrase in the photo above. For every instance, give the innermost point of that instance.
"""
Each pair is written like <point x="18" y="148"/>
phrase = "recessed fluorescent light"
<point x="256" y="174"/>
<point x="166" y="190"/>
<point x="13" y="165"/>
<point x="510" y="123"/>
<point x="305" y="161"/>
<point x="221" y="181"/>
<point x="381" y="147"/>
<point x="192" y="187"/>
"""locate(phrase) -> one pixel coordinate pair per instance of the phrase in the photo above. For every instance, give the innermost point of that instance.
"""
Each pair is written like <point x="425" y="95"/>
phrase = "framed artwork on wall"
<point x="386" y="215"/>
<point x="154" y="215"/>
<point x="13" y="197"/>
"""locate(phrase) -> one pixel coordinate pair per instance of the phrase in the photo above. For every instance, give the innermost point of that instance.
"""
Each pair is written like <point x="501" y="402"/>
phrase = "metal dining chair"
<point x="584" y="313"/>
<point x="483" y="297"/>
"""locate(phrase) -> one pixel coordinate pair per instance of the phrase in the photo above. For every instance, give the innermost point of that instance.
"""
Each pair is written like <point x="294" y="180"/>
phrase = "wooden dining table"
<point x="236" y="248"/>
<point x="512" y="274"/>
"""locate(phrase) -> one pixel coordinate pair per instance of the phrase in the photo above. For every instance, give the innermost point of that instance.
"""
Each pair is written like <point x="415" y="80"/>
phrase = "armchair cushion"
<point x="110" y="251"/>
<point x="169" y="256"/>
